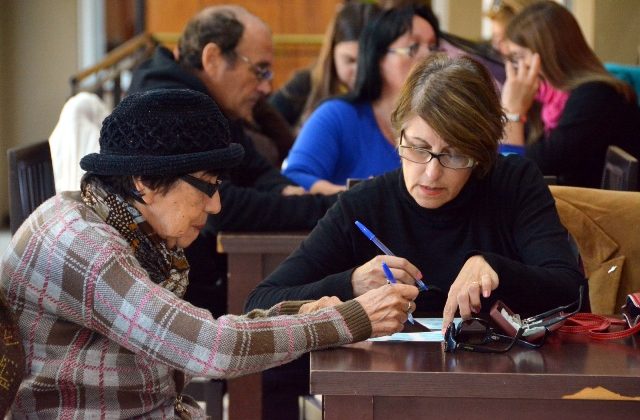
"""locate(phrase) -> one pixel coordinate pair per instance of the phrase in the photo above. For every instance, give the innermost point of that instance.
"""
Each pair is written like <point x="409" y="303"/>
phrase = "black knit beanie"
<point x="164" y="132"/>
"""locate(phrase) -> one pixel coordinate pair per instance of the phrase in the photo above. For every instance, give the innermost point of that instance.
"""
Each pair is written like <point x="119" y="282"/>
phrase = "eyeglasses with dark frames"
<point x="421" y="155"/>
<point x="412" y="50"/>
<point x="477" y="335"/>
<point x="262" y="73"/>
<point x="207" y="188"/>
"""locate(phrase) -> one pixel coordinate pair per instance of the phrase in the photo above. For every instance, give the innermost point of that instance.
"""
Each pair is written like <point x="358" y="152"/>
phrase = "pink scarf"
<point x="553" y="101"/>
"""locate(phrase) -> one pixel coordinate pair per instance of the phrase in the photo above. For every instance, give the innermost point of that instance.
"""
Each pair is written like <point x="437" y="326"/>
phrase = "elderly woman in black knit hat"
<point x="96" y="277"/>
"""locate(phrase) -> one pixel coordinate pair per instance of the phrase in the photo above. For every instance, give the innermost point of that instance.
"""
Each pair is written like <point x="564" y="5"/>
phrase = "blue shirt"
<point x="340" y="140"/>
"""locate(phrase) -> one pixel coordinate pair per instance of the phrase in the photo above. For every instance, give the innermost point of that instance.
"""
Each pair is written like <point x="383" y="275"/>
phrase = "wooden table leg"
<point x="244" y="393"/>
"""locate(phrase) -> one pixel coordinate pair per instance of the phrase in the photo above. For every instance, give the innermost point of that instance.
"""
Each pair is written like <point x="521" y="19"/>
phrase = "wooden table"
<point x="570" y="377"/>
<point x="251" y="257"/>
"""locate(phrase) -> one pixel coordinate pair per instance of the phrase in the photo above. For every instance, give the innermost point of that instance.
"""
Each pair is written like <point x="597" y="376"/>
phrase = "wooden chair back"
<point x="620" y="170"/>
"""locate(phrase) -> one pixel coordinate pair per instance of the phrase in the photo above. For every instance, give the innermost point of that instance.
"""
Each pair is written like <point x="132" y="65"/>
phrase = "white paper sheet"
<point x="433" y="335"/>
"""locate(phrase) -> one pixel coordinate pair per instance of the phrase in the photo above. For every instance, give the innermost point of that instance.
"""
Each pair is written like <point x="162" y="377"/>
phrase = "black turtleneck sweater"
<point x="509" y="217"/>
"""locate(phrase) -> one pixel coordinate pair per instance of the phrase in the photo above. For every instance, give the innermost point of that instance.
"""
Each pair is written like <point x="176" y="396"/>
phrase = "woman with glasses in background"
<point x="583" y="108"/>
<point x="351" y="137"/>
<point x="474" y="226"/>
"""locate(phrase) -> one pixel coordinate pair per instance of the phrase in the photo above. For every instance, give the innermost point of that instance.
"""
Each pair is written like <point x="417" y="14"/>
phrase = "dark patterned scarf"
<point x="167" y="268"/>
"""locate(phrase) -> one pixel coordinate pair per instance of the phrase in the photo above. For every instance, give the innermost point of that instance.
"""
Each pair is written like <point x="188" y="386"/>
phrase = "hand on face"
<point x="522" y="84"/>
<point x="388" y="307"/>
<point x="370" y="275"/>
<point x="475" y="278"/>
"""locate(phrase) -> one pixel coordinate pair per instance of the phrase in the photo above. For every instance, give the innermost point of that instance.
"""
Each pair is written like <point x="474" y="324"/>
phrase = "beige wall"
<point x="465" y="18"/>
<point x="38" y="49"/>
<point x="611" y="27"/>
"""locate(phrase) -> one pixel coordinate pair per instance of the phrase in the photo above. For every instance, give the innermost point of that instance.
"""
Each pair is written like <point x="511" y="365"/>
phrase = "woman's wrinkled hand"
<point x="370" y="275"/>
<point x="476" y="279"/>
<point x="388" y="307"/>
<point x="323" y="302"/>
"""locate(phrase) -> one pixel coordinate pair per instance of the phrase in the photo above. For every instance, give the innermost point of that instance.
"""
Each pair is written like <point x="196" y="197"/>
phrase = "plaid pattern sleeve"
<point x="101" y="339"/>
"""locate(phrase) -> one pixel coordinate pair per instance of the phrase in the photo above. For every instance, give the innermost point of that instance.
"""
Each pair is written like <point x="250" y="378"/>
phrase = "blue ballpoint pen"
<point x="392" y="280"/>
<point x="421" y="286"/>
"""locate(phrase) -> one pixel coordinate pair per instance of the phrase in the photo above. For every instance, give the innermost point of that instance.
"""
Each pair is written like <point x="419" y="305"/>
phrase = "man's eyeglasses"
<point x="477" y="335"/>
<point x="208" y="188"/>
<point x="421" y="155"/>
<point x="413" y="49"/>
<point x="262" y="73"/>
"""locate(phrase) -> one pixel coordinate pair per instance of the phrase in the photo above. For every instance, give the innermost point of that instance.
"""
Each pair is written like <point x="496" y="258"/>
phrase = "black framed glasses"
<point x="421" y="155"/>
<point x="262" y="73"/>
<point x="476" y="334"/>
<point x="209" y="188"/>
<point x="413" y="49"/>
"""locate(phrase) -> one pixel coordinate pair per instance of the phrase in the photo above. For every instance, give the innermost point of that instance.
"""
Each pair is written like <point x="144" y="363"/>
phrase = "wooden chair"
<point x="620" y="171"/>
<point x="11" y="357"/>
<point x="30" y="180"/>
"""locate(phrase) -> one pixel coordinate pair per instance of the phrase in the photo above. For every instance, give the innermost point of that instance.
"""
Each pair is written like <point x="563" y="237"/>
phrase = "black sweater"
<point x="594" y="117"/>
<point x="509" y="217"/>
<point x="251" y="200"/>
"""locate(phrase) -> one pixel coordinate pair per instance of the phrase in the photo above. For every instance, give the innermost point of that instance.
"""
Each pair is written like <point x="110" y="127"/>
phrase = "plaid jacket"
<point x="102" y="340"/>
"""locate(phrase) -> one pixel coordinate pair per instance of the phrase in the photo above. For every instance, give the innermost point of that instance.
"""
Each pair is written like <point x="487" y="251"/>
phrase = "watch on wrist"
<point x="513" y="117"/>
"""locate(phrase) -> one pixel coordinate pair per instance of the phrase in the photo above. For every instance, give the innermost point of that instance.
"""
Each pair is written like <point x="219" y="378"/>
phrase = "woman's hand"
<point x="327" y="188"/>
<point x="292" y="190"/>
<point x="388" y="307"/>
<point x="370" y="275"/>
<point x="323" y="302"/>
<point x="521" y="85"/>
<point x="475" y="277"/>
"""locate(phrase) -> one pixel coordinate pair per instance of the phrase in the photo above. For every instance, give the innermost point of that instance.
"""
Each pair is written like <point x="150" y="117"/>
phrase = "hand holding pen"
<point x="417" y="277"/>
<point x="392" y="280"/>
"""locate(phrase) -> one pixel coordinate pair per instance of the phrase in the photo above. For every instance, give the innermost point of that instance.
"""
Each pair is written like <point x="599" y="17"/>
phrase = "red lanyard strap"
<point x="597" y="326"/>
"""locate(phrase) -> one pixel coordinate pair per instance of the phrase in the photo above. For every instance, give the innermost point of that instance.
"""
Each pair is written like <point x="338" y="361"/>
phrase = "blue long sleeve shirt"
<point x="340" y="140"/>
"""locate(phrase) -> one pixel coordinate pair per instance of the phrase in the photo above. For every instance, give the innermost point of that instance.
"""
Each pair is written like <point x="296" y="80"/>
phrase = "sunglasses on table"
<point x="476" y="334"/>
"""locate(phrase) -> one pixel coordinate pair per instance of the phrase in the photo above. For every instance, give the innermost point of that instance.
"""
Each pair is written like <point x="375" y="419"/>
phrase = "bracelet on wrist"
<point x="513" y="117"/>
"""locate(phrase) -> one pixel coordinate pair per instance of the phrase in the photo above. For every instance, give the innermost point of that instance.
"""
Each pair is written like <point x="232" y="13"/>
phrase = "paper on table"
<point x="434" y="333"/>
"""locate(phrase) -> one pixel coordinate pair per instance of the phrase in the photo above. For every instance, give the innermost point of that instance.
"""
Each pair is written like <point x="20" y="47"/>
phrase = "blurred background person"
<point x="500" y="14"/>
<point x="334" y="72"/>
<point x="351" y="136"/>
<point x="583" y="108"/>
<point x="213" y="52"/>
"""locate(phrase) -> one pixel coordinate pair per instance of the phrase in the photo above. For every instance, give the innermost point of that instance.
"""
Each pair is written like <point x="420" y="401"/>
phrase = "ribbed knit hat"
<point x="164" y="132"/>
